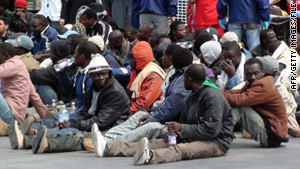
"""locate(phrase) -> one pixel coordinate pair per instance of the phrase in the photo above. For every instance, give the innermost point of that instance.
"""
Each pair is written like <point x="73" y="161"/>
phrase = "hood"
<point x="59" y="50"/>
<point x="142" y="53"/>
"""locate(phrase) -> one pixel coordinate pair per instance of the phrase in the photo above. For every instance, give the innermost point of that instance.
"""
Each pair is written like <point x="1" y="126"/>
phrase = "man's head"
<point x="130" y="33"/>
<point x="99" y="71"/>
<point x="98" y="41"/>
<point x="273" y="46"/>
<point x="181" y="57"/>
<point x="38" y="24"/>
<point x="155" y="33"/>
<point x="74" y="40"/>
<point x="7" y="51"/>
<point x="3" y="6"/>
<point x="254" y="70"/>
<point x="167" y="56"/>
<point x="202" y="38"/>
<point x="229" y="36"/>
<point x="178" y="30"/>
<point x="3" y="26"/>
<point x="20" y="5"/>
<point x="83" y="53"/>
<point x="142" y="55"/>
<point x="267" y="36"/>
<point x="116" y="40"/>
<point x="163" y="38"/>
<point x="145" y="30"/>
<point x="209" y="52"/>
<point x="22" y="44"/>
<point x="59" y="50"/>
<point x="194" y="76"/>
<point x="270" y="65"/>
<point x="88" y="18"/>
<point x="232" y="53"/>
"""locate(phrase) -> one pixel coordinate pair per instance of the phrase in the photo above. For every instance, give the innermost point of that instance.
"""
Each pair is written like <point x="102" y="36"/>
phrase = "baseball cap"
<point x="23" y="41"/>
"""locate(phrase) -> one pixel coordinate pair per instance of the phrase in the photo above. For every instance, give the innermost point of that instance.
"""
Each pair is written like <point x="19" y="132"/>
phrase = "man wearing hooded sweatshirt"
<point x="146" y="77"/>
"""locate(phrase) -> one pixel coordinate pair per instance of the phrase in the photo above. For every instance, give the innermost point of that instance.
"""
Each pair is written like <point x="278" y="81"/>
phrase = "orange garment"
<point x="150" y="87"/>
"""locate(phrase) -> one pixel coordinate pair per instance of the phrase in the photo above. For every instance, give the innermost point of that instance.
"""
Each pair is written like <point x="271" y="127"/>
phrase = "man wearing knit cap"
<point x="146" y="77"/>
<point x="21" y="18"/>
<point x="107" y="105"/>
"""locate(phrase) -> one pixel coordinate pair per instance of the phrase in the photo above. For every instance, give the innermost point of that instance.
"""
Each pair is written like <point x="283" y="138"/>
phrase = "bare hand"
<point x="173" y="126"/>
<point x="142" y="119"/>
<point x="22" y="16"/>
<point x="228" y="68"/>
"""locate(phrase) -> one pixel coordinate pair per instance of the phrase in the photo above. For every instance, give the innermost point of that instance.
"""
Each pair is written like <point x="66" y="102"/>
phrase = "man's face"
<point x="187" y="82"/>
<point x="36" y="27"/>
<point x="271" y="37"/>
<point x="254" y="72"/>
<point x="130" y="37"/>
<point x="143" y="34"/>
<point x="18" y="9"/>
<point x="232" y="56"/>
<point x="181" y="31"/>
<point x="78" y="58"/>
<point x="3" y="27"/>
<point x="100" y="78"/>
<point x="116" y="43"/>
<point x="86" y="22"/>
<point x="166" y="60"/>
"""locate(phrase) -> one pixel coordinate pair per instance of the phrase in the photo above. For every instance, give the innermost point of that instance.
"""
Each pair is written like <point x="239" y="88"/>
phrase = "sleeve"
<point x="172" y="7"/>
<point x="222" y="7"/>
<point x="250" y="97"/>
<point x="122" y="75"/>
<point x="263" y="9"/>
<point x="150" y="92"/>
<point x="170" y="108"/>
<point x="111" y="109"/>
<point x="63" y="9"/>
<point x="66" y="82"/>
<point x="8" y="69"/>
<point x="45" y="76"/>
<point x="232" y="82"/>
<point x="36" y="101"/>
<point x="210" y="126"/>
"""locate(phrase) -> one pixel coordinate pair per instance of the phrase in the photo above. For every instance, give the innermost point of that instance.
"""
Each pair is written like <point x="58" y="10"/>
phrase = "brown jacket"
<point x="264" y="98"/>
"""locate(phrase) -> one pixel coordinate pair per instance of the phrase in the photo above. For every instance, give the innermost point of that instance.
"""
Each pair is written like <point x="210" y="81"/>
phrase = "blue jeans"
<point x="46" y="93"/>
<point x="252" y="36"/>
<point x="5" y="111"/>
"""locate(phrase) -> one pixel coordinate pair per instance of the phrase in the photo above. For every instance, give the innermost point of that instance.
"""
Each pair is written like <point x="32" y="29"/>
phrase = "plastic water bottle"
<point x="68" y="62"/>
<point x="73" y="108"/>
<point x="63" y="114"/>
<point x="172" y="139"/>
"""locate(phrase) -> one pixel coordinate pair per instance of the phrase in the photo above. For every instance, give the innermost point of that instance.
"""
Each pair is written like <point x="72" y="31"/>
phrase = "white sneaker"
<point x="142" y="155"/>
<point x="98" y="141"/>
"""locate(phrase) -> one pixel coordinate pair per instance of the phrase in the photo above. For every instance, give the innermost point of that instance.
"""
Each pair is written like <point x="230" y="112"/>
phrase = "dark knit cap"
<point x="182" y="57"/>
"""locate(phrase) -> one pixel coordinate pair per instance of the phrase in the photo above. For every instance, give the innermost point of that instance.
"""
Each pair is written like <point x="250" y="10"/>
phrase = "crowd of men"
<point x="134" y="88"/>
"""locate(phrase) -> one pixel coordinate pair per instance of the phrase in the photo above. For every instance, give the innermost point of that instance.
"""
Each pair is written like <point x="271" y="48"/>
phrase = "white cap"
<point x="98" y="63"/>
<point x="97" y="40"/>
<point x="229" y="36"/>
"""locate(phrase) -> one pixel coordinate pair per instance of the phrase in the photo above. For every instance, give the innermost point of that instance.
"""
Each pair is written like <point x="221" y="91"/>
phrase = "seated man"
<point x="266" y="37"/>
<point x="204" y="128"/>
<point x="23" y="45"/>
<point x="260" y="106"/>
<point x="146" y="77"/>
<point x="232" y="66"/>
<point x="21" y="17"/>
<point x="177" y="31"/>
<point x="107" y="105"/>
<point x="119" y="44"/>
<point x="42" y="33"/>
<point x="16" y="89"/>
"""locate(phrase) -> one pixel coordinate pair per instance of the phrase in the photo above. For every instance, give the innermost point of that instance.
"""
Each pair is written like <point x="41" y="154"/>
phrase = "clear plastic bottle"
<point x="73" y="108"/>
<point x="171" y="138"/>
<point x="68" y="62"/>
<point x="63" y="114"/>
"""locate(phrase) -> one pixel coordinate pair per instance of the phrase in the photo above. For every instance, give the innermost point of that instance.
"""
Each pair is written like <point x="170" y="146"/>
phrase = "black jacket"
<point x="113" y="108"/>
<point x="206" y="116"/>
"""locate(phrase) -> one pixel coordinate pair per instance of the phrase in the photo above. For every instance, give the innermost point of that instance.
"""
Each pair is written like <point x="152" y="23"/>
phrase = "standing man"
<point x="157" y="12"/>
<point x="244" y="16"/>
<point x="54" y="11"/>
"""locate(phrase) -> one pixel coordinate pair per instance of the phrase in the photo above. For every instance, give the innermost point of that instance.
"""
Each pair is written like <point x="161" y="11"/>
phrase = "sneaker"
<point x="98" y="140"/>
<point x="3" y="128"/>
<point x="142" y="155"/>
<point x="27" y="125"/>
<point x="40" y="144"/>
<point x="16" y="138"/>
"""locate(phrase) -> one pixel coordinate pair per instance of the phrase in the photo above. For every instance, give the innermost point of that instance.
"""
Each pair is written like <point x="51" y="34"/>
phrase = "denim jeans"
<point x="46" y="93"/>
<point x="253" y="123"/>
<point x="252" y="36"/>
<point x="128" y="131"/>
<point x="5" y="111"/>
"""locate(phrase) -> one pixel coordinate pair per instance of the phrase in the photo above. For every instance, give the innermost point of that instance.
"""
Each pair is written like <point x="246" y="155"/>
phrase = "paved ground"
<point x="244" y="154"/>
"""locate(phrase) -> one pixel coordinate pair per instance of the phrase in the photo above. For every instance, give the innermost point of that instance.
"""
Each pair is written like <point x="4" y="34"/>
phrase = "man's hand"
<point x="142" y="119"/>
<point x="173" y="126"/>
<point x="22" y="16"/>
<point x="228" y="68"/>
<point x="64" y="124"/>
